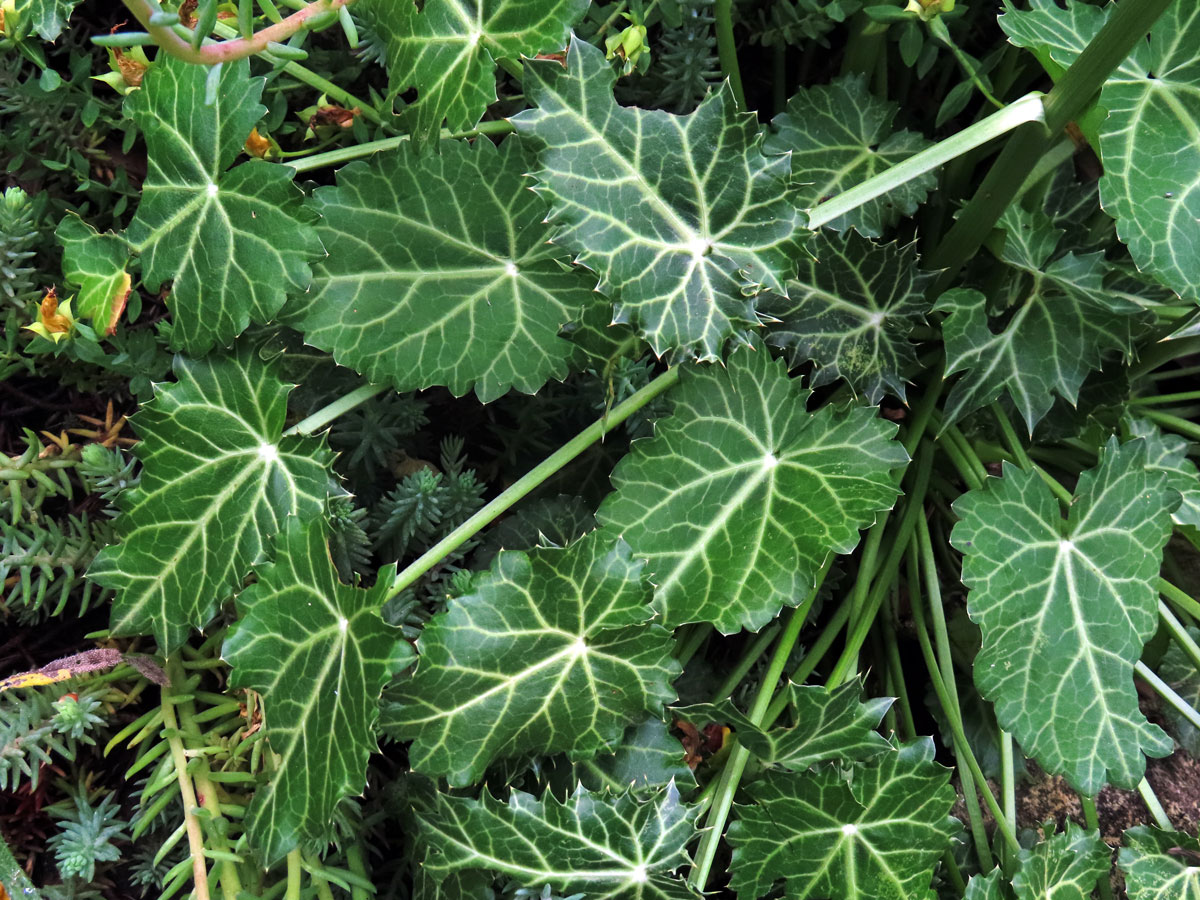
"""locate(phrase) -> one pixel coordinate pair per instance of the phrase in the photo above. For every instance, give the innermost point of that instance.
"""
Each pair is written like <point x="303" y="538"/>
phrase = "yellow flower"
<point x="55" y="321"/>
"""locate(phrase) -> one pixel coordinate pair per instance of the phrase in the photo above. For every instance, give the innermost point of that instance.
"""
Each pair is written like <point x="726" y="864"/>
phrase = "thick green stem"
<point x="962" y="746"/>
<point x="179" y="758"/>
<point x="731" y="775"/>
<point x="933" y="594"/>
<point x="914" y="508"/>
<point x="1092" y="820"/>
<point x="534" y="477"/>
<point x="339" y="407"/>
<point x="369" y="148"/>
<point x="1079" y="85"/>
<point x="1173" y="423"/>
<point x="757" y="648"/>
<point x="1161" y="819"/>
<point x="1181" y="599"/>
<point x="727" y="50"/>
<point x="1164" y="690"/>
<point x="1179" y="633"/>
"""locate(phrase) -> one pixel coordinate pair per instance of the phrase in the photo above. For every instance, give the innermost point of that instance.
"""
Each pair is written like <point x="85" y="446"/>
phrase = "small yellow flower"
<point x="55" y="321"/>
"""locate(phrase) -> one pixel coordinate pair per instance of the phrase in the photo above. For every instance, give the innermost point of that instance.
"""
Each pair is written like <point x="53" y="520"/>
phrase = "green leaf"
<point x="840" y="134"/>
<point x="1151" y="184"/>
<point x="829" y="725"/>
<point x="1178" y="671"/>
<point x="217" y="482"/>
<point x="1066" y="607"/>
<point x="97" y="263"/>
<point x="319" y="653"/>
<point x="876" y="833"/>
<point x="1168" y="453"/>
<point x="552" y="651"/>
<point x="609" y="847"/>
<point x="1059" y="323"/>
<point x="850" y="310"/>
<point x="683" y="217"/>
<point x="990" y="888"/>
<point x="742" y="494"/>
<point x="46" y="17"/>
<point x="647" y="756"/>
<point x="1153" y="872"/>
<point x="440" y="273"/>
<point x="448" y="49"/>
<point x="231" y="240"/>
<point x="1065" y="867"/>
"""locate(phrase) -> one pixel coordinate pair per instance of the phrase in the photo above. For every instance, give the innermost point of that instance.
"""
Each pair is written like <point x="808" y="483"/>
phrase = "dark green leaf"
<point x="608" y="847"/>
<point x="850" y="310"/>
<point x="875" y="833"/>
<point x="829" y="726"/>
<point x="1066" y="606"/>
<point x="1060" y="322"/>
<point x="1065" y="867"/>
<point x="97" y="263"/>
<point x="319" y="654"/>
<point x="232" y="241"/>
<point x="840" y="134"/>
<point x="647" y="756"/>
<point x="683" y="217"/>
<point x="1160" y="865"/>
<point x="217" y="482"/>
<point x="448" y="49"/>
<point x="439" y="273"/>
<point x="1151" y="184"/>
<point x="552" y="651"/>
<point x="742" y="494"/>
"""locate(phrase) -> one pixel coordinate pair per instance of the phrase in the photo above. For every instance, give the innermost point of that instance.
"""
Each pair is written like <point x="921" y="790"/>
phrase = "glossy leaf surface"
<point x="1158" y="865"/>
<point x="611" y="847"/>
<point x="217" y="482"/>
<point x="231" y="241"/>
<point x="683" y="217"/>
<point x="319" y="654"/>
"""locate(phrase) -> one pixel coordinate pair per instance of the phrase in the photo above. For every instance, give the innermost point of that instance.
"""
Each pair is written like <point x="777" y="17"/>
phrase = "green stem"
<point x="534" y="477"/>
<point x="368" y="148"/>
<point x="914" y="509"/>
<point x="1008" y="779"/>
<point x="961" y="744"/>
<point x="691" y="641"/>
<point x="339" y="407"/>
<point x="937" y="27"/>
<point x="1165" y="691"/>
<point x="731" y="775"/>
<point x="1184" y="397"/>
<point x="1018" y="113"/>
<point x="1161" y="819"/>
<point x="1092" y="820"/>
<point x="727" y="50"/>
<point x="955" y="445"/>
<point x="1181" y="599"/>
<point x="1074" y="92"/>
<point x="922" y="550"/>
<point x="1173" y="423"/>
<point x="187" y="792"/>
<point x="1011" y="439"/>
<point x="1179" y="633"/>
